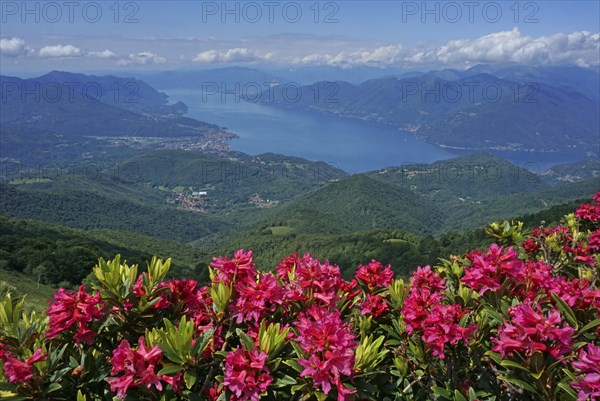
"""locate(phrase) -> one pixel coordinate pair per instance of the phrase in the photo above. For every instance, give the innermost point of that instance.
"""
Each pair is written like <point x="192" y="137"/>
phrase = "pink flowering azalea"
<point x="246" y="374"/>
<point x="330" y="345"/>
<point x="594" y="241"/>
<point x="138" y="367"/>
<point x="530" y="330"/>
<point x="287" y="266"/>
<point x="256" y="297"/>
<point x="321" y="280"/>
<point x="373" y="305"/>
<point x="374" y="275"/>
<point x="537" y="276"/>
<point x="576" y="293"/>
<point x="77" y="309"/>
<point x="19" y="371"/>
<point x="182" y="293"/>
<point x="426" y="279"/>
<point x="589" y="212"/>
<point x="425" y="292"/>
<point x="530" y="246"/>
<point x="489" y="270"/>
<point x="228" y="270"/>
<point x="587" y="368"/>
<point x="441" y="327"/>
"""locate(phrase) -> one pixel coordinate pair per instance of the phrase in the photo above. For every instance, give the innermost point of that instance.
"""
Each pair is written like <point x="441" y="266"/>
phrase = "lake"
<point x="352" y="145"/>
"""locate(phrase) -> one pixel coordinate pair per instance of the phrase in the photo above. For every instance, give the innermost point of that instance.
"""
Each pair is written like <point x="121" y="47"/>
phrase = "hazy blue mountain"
<point x="523" y="109"/>
<point x="574" y="172"/>
<point x="226" y="78"/>
<point x="58" y="116"/>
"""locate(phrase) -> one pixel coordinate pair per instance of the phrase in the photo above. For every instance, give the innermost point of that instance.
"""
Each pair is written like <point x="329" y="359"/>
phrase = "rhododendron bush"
<point x="519" y="320"/>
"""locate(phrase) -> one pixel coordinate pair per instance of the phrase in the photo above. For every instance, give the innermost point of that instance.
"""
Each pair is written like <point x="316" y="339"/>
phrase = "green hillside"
<point x="62" y="254"/>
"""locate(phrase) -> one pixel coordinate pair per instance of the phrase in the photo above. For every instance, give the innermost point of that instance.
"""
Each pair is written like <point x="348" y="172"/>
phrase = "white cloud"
<point x="142" y="58"/>
<point x="13" y="47"/>
<point x="103" y="54"/>
<point x="512" y="46"/>
<point x="60" y="51"/>
<point x="379" y="57"/>
<point x="580" y="47"/>
<point x="235" y="55"/>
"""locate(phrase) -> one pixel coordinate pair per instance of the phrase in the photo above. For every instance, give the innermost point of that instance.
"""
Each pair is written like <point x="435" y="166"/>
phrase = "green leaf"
<point x="511" y="364"/>
<point x="458" y="396"/>
<point x="247" y="341"/>
<point x="170" y="369"/>
<point x="567" y="389"/>
<point x="442" y="392"/>
<point x="293" y="363"/>
<point x="190" y="379"/>
<point x="519" y="383"/>
<point x="321" y="396"/>
<point x="284" y="381"/>
<point x="566" y="310"/>
<point x="588" y="326"/>
<point x="53" y="387"/>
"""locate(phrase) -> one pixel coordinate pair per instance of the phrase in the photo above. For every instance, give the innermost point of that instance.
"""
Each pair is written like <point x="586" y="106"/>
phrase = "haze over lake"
<point x="352" y="145"/>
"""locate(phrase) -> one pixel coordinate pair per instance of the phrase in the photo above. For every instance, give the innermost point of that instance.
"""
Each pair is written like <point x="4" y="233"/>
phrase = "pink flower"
<point x="374" y="275"/>
<point x="594" y="241"/>
<point x="246" y="374"/>
<point x="489" y="270"/>
<point x="228" y="270"/>
<point x="441" y="327"/>
<point x="588" y="211"/>
<point x="330" y="345"/>
<point x="77" y="309"/>
<point x="321" y="280"/>
<point x="530" y="246"/>
<point x="426" y="279"/>
<point x="256" y="298"/>
<point x="425" y="292"/>
<point x="138" y="367"/>
<point x="181" y="293"/>
<point x="374" y="306"/>
<point x="587" y="368"/>
<point x="530" y="330"/>
<point x="287" y="266"/>
<point x="18" y="371"/>
<point x="307" y="278"/>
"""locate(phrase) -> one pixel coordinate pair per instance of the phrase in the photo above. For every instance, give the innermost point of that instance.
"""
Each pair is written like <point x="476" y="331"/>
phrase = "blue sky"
<point x="40" y="36"/>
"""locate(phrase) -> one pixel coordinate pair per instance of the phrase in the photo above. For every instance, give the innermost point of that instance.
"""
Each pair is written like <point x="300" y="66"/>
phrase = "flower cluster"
<point x="228" y="270"/>
<point x="374" y="275"/>
<point x="442" y="327"/>
<point x="138" y="367"/>
<point x="587" y="367"/>
<point x="489" y="270"/>
<point x="529" y="331"/>
<point x="588" y="211"/>
<point x="246" y="374"/>
<point x="256" y="298"/>
<point x="78" y="309"/>
<point x="425" y="292"/>
<point x="308" y="279"/>
<point x="374" y="305"/>
<point x="19" y="371"/>
<point x="329" y="345"/>
<point x="424" y="311"/>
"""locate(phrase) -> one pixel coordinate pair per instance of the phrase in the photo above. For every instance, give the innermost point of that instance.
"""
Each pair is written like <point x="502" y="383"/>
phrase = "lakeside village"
<point x="198" y="201"/>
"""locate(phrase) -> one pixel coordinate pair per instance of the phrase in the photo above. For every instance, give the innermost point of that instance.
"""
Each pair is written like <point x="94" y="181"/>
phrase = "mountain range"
<point x="500" y="108"/>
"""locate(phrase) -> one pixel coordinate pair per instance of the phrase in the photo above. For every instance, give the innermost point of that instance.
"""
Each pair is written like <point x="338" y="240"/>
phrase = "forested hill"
<point x="517" y="108"/>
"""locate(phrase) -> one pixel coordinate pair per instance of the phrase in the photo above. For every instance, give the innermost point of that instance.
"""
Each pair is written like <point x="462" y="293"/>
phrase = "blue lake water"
<point x="352" y="145"/>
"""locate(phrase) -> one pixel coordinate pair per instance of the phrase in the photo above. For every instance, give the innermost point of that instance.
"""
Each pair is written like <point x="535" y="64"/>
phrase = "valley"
<point x="92" y="189"/>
